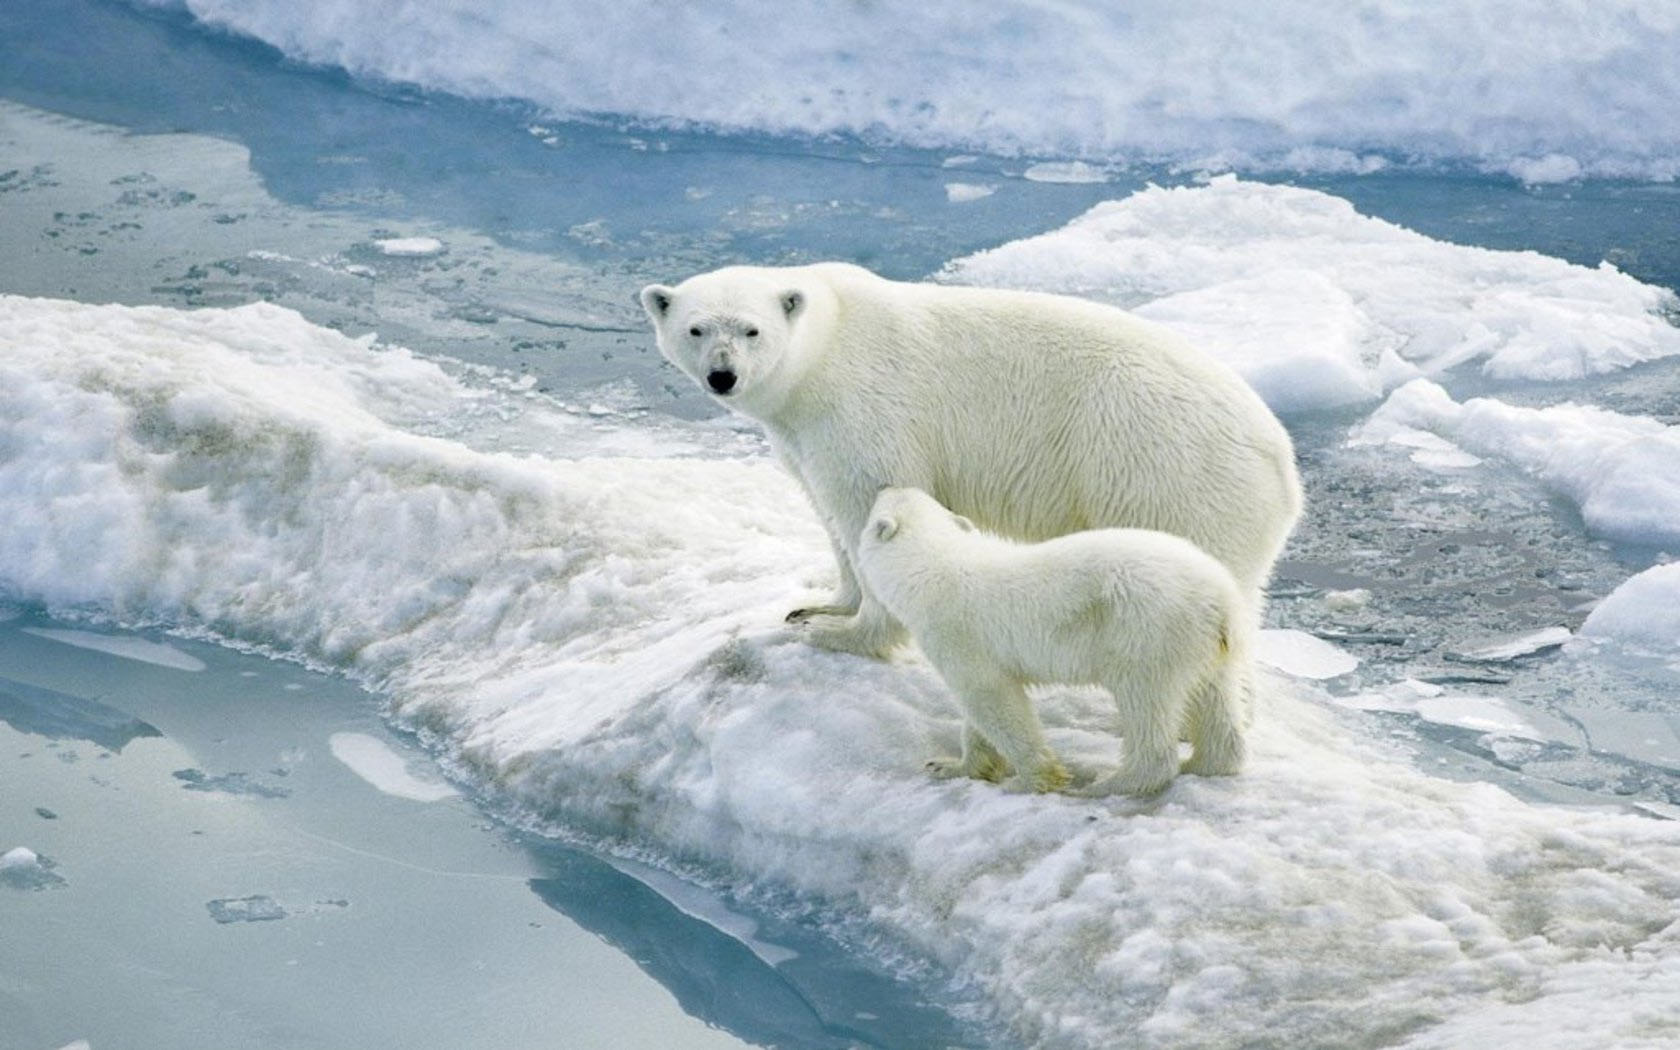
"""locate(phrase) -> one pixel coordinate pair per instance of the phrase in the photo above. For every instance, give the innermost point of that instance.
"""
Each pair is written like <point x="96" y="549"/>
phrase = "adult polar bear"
<point x="1033" y="415"/>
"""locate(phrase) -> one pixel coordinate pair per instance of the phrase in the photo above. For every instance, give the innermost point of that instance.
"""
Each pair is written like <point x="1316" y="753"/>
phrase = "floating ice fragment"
<point x="1511" y="648"/>
<point x="1300" y="655"/>
<point x="1483" y="714"/>
<point x="245" y="909"/>
<point x="1347" y="601"/>
<point x="1071" y="171"/>
<point x="21" y="868"/>
<point x="125" y="646"/>
<point x="373" y="760"/>
<point x="963" y="192"/>
<point x="1651" y="737"/>
<point x="19" y="857"/>
<point x="409" y="246"/>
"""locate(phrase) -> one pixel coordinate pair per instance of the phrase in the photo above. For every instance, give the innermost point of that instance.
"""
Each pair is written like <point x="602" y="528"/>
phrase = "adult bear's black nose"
<point x="722" y="381"/>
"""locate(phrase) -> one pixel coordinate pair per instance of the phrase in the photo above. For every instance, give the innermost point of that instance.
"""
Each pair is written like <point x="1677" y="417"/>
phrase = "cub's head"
<point x="902" y="513"/>
<point x="735" y="332"/>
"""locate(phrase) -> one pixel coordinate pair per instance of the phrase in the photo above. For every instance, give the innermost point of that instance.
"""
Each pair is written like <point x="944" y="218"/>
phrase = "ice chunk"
<point x="1622" y="471"/>
<point x="963" y="192"/>
<point x="1485" y="714"/>
<point x="413" y="247"/>
<point x="1300" y="655"/>
<point x="55" y="715"/>
<point x="19" y="857"/>
<point x="1644" y="736"/>
<point x="1072" y="171"/>
<point x="1512" y="648"/>
<point x="21" y="868"/>
<point x="125" y="646"/>
<point x="1317" y="305"/>
<point x="373" y="760"/>
<point x="1643" y="613"/>
<point x="245" y="909"/>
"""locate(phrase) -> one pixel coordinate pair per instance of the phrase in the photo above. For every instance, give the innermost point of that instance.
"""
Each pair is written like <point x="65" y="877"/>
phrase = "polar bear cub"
<point x="1151" y="617"/>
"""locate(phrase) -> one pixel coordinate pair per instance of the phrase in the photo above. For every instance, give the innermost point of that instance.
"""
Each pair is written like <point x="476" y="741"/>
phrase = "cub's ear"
<point x="656" y="300"/>
<point x="793" y="301"/>
<point x="884" y="528"/>
<point x="963" y="523"/>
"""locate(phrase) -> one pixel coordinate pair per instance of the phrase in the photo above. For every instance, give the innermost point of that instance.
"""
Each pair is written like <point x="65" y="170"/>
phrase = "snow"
<point x="599" y="641"/>
<point x="128" y="648"/>
<point x="1623" y="472"/>
<point x="1319" y="306"/>
<point x="1643" y="613"/>
<point x="1547" y="92"/>
<point x="374" y="761"/>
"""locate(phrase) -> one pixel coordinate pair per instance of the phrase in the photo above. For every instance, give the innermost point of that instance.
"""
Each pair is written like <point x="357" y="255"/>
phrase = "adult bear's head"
<point x="741" y="333"/>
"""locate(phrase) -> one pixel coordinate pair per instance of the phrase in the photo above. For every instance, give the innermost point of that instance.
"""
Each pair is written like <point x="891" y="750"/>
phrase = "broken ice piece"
<point x="245" y="909"/>
<point x="1506" y="649"/>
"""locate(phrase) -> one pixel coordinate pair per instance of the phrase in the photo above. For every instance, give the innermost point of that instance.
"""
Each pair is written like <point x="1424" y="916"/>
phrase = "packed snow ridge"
<point x="1319" y="306"/>
<point x="1561" y="91"/>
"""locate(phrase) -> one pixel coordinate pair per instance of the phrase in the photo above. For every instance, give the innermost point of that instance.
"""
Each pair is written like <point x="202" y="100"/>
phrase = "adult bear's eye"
<point x="752" y="333"/>
<point x="695" y="332"/>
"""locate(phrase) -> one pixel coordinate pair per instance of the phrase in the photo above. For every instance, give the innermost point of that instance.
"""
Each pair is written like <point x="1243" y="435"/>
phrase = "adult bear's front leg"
<point x="848" y="597"/>
<point x="871" y="631"/>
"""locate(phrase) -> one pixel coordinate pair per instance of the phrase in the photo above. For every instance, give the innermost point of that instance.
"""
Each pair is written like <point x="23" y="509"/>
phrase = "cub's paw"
<point x="1051" y="776"/>
<point x="1132" y="783"/>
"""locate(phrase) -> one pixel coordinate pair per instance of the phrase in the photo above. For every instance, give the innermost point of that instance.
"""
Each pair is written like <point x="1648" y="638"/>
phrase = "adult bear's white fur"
<point x="1149" y="616"/>
<point x="1034" y="415"/>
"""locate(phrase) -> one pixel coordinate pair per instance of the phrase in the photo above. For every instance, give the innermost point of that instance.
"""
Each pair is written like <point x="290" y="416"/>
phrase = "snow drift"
<point x="1546" y="91"/>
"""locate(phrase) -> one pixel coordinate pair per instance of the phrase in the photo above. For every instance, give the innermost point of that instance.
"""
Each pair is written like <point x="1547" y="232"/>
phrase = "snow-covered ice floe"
<point x="1623" y="472"/>
<point x="1572" y="89"/>
<point x="1319" y="306"/>
<point x="597" y="640"/>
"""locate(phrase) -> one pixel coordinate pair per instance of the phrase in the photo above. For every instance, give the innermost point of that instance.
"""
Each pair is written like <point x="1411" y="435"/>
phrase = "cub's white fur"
<point x="1150" y="617"/>
<point x="1035" y="415"/>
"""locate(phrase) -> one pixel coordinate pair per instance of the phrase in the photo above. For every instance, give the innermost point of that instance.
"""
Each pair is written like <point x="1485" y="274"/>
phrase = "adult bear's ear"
<point x="884" y="528"/>
<point x="656" y="300"/>
<point x="963" y="523"/>
<point x="792" y="302"/>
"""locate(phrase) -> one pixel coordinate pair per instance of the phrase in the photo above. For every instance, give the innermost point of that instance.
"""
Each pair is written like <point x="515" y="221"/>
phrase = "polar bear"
<point x="1149" y="616"/>
<point x="1034" y="415"/>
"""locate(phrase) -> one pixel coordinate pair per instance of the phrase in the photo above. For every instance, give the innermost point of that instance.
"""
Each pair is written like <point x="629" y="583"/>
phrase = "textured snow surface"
<point x="1320" y="306"/>
<point x="600" y="640"/>
<point x="1548" y="90"/>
